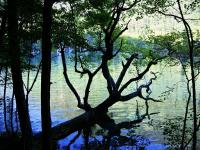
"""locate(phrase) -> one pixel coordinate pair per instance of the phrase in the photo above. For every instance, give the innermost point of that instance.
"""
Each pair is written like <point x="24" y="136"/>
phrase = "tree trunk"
<point x="4" y="100"/>
<point x="14" y="53"/>
<point x="97" y="115"/>
<point x="3" y="27"/>
<point x="46" y="71"/>
<point x="86" y="119"/>
<point x="191" y="58"/>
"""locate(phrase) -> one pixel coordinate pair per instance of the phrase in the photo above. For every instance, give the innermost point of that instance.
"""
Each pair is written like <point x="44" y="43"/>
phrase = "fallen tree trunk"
<point x="84" y="120"/>
<point x="96" y="115"/>
<point x="66" y="128"/>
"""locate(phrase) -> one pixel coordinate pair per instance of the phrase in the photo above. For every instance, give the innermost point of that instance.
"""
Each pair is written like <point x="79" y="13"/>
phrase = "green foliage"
<point x="172" y="129"/>
<point x="30" y="19"/>
<point x="81" y="22"/>
<point x="67" y="27"/>
<point x="130" y="45"/>
<point x="193" y="5"/>
<point x="97" y="18"/>
<point x="62" y="24"/>
<point x="29" y="28"/>
<point x="174" y="42"/>
<point x="149" y="7"/>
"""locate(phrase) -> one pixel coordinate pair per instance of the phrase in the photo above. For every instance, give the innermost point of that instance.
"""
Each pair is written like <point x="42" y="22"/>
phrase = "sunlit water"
<point x="150" y="132"/>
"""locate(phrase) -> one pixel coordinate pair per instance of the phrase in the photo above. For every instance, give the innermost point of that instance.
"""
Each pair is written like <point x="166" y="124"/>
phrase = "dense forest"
<point x="99" y="74"/>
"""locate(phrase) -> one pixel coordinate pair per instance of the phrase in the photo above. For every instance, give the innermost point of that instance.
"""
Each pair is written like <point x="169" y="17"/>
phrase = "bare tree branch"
<point x="84" y="70"/>
<point x="120" y="48"/>
<point x="125" y="68"/>
<point x="187" y="106"/>
<point x="140" y="76"/>
<point x="121" y="32"/>
<point x="90" y="79"/>
<point x="87" y="89"/>
<point x="35" y="79"/>
<point x="131" y="6"/>
<point x="111" y="86"/>
<point x="67" y="79"/>
<point x="138" y="92"/>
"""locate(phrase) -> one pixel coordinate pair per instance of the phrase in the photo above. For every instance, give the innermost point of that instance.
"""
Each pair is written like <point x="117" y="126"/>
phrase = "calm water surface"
<point x="150" y="133"/>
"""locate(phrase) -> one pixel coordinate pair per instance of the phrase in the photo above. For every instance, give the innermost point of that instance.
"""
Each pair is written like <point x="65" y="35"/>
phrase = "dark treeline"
<point x="96" y="27"/>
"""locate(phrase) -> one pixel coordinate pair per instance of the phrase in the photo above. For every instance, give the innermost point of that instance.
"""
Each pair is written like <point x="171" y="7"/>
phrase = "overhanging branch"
<point x="124" y="70"/>
<point x="140" y="76"/>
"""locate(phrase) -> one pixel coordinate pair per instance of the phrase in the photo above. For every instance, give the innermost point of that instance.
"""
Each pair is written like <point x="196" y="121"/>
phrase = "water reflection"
<point x="102" y="141"/>
<point x="150" y="134"/>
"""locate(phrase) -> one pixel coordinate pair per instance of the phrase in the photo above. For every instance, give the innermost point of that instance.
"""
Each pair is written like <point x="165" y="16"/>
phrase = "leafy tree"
<point x="103" y="20"/>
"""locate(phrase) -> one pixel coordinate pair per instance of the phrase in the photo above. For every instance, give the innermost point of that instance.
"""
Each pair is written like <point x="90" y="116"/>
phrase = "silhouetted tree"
<point x="109" y="32"/>
<point x="14" y="53"/>
<point x="191" y="49"/>
<point x="45" y="77"/>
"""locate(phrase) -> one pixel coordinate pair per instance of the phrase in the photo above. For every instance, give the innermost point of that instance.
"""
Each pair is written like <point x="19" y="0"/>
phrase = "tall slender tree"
<point x="14" y="53"/>
<point x="191" y="57"/>
<point x="191" y="50"/>
<point x="46" y="71"/>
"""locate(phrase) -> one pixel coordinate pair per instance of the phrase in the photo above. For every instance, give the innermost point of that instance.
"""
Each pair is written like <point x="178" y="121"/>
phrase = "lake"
<point x="157" y="132"/>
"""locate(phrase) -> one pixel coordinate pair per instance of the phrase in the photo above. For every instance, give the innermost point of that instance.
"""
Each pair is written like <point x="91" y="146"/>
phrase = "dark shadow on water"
<point x="107" y="135"/>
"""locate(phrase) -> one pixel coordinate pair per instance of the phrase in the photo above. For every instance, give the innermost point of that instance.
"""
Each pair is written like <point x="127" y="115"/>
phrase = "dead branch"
<point x="140" y="76"/>
<point x="124" y="70"/>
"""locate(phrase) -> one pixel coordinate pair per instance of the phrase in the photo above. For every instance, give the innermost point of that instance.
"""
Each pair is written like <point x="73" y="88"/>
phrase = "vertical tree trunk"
<point x="194" y="144"/>
<point x="4" y="100"/>
<point x="46" y="71"/>
<point x="191" y="57"/>
<point x="3" y="27"/>
<point x="14" y="53"/>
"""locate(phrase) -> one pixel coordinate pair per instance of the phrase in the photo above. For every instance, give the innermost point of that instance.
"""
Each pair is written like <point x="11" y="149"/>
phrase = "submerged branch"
<point x="129" y="124"/>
